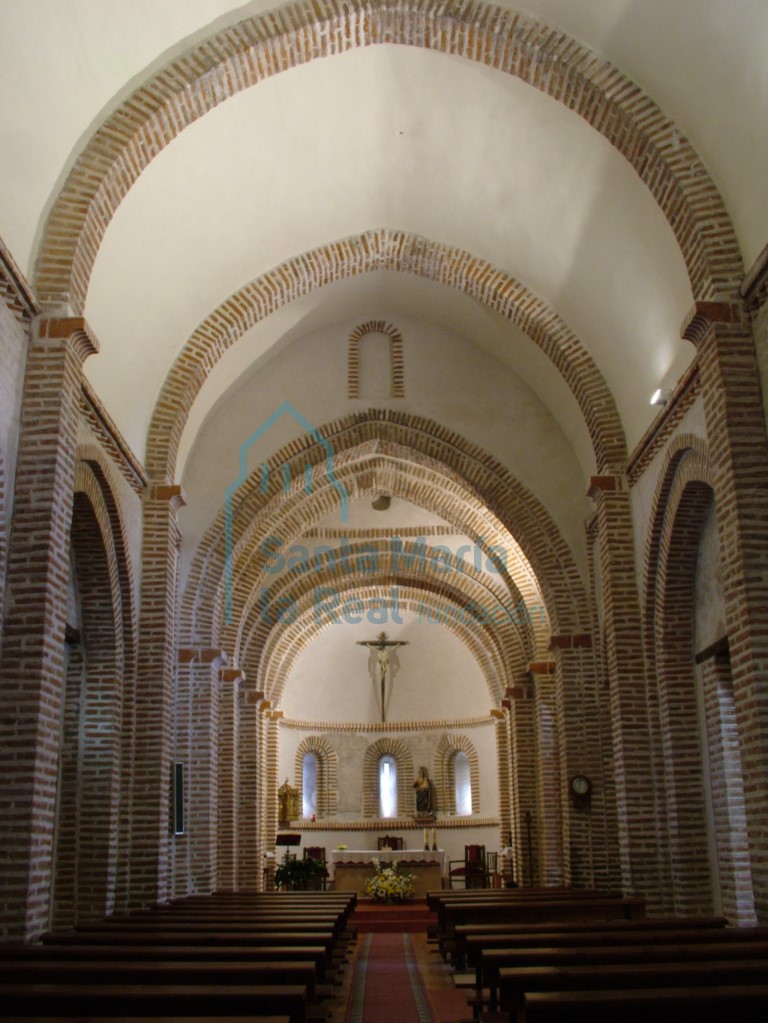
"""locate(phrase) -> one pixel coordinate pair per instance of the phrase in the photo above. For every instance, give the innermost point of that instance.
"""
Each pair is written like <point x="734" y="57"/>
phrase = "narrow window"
<point x="387" y="787"/>
<point x="463" y="784"/>
<point x="309" y="786"/>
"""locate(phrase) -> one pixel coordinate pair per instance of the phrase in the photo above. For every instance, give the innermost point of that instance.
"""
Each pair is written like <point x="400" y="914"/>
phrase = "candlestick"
<point x="434" y="840"/>
<point x="426" y="839"/>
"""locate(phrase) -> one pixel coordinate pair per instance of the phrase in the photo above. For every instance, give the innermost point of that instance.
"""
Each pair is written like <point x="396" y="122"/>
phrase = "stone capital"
<point x="73" y="329"/>
<point x="703" y="315"/>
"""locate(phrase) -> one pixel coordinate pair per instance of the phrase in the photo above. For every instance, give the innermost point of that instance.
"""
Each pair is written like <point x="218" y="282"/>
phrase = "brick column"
<point x="250" y="861"/>
<point x="625" y="669"/>
<point x="522" y="738"/>
<point x="579" y="733"/>
<point x="229" y="781"/>
<point x="272" y="781"/>
<point x="151" y="822"/>
<point x="503" y="764"/>
<point x="738" y="452"/>
<point x="197" y="747"/>
<point x="549" y="818"/>
<point x="33" y="655"/>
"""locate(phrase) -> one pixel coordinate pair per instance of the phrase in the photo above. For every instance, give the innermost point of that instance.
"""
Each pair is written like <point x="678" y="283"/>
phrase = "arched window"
<point x="309" y="786"/>
<point x="387" y="787"/>
<point x="462" y="784"/>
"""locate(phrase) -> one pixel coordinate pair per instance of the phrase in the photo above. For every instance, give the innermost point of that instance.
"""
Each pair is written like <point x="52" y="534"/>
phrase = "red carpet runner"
<point x="389" y="984"/>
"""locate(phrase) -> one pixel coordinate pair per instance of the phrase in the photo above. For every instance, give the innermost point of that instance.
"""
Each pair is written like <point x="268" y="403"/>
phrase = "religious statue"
<point x="382" y="646"/>
<point x="424" y="802"/>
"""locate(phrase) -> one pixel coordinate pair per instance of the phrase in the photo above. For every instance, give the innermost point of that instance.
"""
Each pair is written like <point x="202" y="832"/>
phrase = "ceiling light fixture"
<point x="660" y="396"/>
<point x="382" y="502"/>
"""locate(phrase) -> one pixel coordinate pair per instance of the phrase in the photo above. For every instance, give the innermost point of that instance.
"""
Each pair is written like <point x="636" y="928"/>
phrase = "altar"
<point x="350" y="869"/>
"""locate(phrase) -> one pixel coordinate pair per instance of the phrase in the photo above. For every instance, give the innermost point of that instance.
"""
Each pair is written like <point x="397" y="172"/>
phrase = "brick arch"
<point x="272" y="663"/>
<point x="327" y="773"/>
<point x="397" y="366"/>
<point x="403" y="252"/>
<point x="402" y="757"/>
<point x="683" y="499"/>
<point x="452" y="477"/>
<point x="445" y="754"/>
<point x="242" y="55"/>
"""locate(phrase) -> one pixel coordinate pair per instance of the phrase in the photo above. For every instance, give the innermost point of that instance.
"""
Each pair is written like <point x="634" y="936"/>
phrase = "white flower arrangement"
<point x="386" y="884"/>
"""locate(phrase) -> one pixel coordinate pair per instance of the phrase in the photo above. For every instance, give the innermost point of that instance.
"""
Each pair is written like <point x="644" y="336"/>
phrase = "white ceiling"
<point x="388" y="137"/>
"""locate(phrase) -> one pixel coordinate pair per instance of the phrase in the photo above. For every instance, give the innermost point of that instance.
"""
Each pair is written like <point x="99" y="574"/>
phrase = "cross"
<point x="383" y="646"/>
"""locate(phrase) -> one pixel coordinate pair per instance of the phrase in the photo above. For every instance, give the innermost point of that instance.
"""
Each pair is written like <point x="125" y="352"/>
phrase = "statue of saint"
<point x="423" y="788"/>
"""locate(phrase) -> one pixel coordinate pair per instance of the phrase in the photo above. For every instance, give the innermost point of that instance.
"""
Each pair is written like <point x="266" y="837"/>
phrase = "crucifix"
<point x="382" y="645"/>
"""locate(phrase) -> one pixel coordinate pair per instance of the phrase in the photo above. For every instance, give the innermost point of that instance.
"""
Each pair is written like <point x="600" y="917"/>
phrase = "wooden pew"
<point x="709" y="1004"/>
<point x="534" y="911"/>
<point x="494" y="960"/>
<point x="162" y="971"/>
<point x="515" y="983"/>
<point x="470" y="938"/>
<point x="316" y="954"/>
<point x="179" y="1000"/>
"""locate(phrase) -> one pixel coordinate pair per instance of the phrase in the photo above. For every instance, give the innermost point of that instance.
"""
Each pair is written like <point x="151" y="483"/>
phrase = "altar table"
<point x="350" y="869"/>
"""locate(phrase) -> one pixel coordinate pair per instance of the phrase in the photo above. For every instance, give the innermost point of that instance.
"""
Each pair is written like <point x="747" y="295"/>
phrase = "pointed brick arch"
<point x="242" y="55"/>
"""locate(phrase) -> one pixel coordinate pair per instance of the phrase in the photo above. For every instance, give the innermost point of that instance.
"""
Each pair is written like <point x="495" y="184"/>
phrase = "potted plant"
<point x="300" y="875"/>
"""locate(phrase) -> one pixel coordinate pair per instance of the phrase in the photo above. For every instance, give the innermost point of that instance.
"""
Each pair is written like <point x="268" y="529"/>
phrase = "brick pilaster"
<point x="523" y="781"/>
<point x="197" y="716"/>
<point x="150" y="853"/>
<point x="739" y="458"/>
<point x="32" y="668"/>
<point x="229" y="781"/>
<point x="548" y="822"/>
<point x="625" y="670"/>
<point x="727" y="788"/>
<point x="251" y="850"/>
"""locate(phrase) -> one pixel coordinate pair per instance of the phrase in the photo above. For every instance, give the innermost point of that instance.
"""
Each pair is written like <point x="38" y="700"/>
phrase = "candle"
<point x="434" y="839"/>
<point x="426" y="839"/>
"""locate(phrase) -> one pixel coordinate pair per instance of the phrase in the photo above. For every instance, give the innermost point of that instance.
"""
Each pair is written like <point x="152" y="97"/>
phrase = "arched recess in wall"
<point x="387" y="746"/>
<point x="445" y="758"/>
<point x="89" y="790"/>
<point x="693" y="698"/>
<point x="356" y="374"/>
<point x="327" y="773"/>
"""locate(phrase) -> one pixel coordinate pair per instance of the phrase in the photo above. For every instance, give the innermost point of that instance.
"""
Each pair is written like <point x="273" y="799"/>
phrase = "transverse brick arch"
<point x="445" y="757"/>
<point x="396" y="364"/>
<point x="242" y="55"/>
<point x="458" y="481"/>
<point x="327" y="773"/>
<point x="272" y="663"/>
<point x="467" y="596"/>
<point x="382" y="249"/>
<point x="406" y="803"/>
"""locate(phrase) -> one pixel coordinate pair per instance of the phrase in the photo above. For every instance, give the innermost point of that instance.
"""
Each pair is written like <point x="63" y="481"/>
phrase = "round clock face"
<point x="581" y="785"/>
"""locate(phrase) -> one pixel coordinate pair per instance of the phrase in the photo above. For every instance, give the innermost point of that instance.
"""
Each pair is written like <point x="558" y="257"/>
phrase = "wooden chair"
<point x="472" y="870"/>
<point x="390" y="842"/>
<point x="317" y="852"/>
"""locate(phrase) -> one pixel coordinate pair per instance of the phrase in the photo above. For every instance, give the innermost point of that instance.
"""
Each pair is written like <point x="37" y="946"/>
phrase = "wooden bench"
<point x="316" y="954"/>
<point x="494" y="960"/>
<point x="161" y="971"/>
<point x="179" y="1000"/>
<point x="709" y="1004"/>
<point x="515" y="983"/>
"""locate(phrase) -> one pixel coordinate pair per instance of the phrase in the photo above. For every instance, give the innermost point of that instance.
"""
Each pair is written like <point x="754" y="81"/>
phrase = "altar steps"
<point x="372" y="916"/>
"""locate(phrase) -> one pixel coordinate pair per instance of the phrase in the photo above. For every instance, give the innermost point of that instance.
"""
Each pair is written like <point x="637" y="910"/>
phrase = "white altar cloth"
<point x="387" y="856"/>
